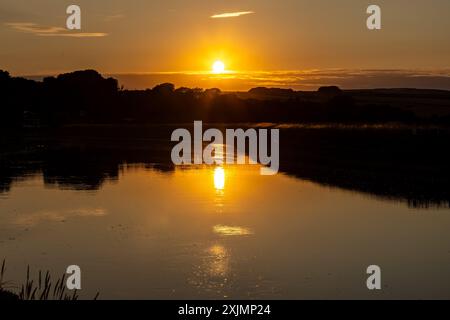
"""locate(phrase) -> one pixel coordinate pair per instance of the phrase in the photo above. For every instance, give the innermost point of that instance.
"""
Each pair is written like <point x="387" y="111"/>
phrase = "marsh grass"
<point x="5" y="286"/>
<point x="42" y="289"/>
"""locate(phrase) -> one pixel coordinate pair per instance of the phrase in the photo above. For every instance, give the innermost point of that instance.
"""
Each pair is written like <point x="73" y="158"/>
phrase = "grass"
<point x="42" y="289"/>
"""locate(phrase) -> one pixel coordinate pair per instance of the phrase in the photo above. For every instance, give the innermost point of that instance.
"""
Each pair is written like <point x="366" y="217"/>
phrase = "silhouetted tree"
<point x="330" y="90"/>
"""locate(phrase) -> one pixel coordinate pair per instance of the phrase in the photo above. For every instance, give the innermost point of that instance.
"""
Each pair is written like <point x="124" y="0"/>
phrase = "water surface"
<point x="149" y="232"/>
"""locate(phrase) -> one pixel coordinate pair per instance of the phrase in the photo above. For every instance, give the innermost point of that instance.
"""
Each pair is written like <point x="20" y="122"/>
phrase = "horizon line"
<point x="231" y="72"/>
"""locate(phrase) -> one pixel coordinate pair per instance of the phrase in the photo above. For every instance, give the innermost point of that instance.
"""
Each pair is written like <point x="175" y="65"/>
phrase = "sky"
<point x="250" y="36"/>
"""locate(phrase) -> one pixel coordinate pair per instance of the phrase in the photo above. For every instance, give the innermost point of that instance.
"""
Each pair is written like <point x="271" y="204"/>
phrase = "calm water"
<point x="222" y="232"/>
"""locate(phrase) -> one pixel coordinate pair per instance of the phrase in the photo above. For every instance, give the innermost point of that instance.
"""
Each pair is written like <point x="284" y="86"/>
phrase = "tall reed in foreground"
<point x="42" y="289"/>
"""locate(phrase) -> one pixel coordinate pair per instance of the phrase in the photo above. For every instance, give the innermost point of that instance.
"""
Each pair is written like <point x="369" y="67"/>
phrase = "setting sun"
<point x="218" y="67"/>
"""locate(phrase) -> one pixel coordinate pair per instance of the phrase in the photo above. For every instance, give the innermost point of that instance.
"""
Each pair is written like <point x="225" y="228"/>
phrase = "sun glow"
<point x="218" y="67"/>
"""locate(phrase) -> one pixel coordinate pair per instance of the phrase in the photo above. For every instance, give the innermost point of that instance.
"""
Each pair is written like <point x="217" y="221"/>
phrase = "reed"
<point x="44" y="288"/>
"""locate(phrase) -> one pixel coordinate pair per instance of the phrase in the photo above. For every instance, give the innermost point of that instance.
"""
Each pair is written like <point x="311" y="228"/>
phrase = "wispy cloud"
<point x="44" y="31"/>
<point x="231" y="14"/>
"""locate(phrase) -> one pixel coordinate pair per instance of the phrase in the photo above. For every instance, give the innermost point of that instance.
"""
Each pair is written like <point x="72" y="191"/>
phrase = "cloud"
<point x="231" y="14"/>
<point x="43" y="31"/>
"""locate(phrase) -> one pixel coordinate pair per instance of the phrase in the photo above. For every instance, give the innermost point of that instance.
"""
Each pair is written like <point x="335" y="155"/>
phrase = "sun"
<point x="218" y="67"/>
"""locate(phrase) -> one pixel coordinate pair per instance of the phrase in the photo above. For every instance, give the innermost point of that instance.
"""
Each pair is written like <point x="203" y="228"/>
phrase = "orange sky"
<point x="140" y="36"/>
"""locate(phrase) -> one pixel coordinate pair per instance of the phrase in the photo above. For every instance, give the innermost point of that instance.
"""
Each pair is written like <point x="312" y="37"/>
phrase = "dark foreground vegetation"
<point x="85" y="97"/>
<point x="41" y="288"/>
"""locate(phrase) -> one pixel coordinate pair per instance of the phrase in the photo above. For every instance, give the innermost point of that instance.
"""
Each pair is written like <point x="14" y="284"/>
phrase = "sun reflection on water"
<point x="223" y="230"/>
<point x="218" y="261"/>
<point x="219" y="178"/>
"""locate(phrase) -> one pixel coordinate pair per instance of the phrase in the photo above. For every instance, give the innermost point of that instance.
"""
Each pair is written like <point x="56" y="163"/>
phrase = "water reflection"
<point x="218" y="262"/>
<point x="212" y="274"/>
<point x="231" y="231"/>
<point x="32" y="219"/>
<point x="142" y="228"/>
<point x="411" y="166"/>
<point x="219" y="186"/>
<point x="158" y="235"/>
<point x="219" y="178"/>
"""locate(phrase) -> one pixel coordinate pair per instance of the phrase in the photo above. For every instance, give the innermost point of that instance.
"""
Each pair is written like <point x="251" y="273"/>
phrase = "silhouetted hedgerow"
<point x="85" y="97"/>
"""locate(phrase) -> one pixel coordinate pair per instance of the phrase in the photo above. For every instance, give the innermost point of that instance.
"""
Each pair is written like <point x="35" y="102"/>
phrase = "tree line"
<point x="86" y="97"/>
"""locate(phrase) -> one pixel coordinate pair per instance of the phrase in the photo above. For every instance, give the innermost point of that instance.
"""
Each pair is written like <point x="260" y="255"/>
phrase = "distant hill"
<point x="424" y="103"/>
